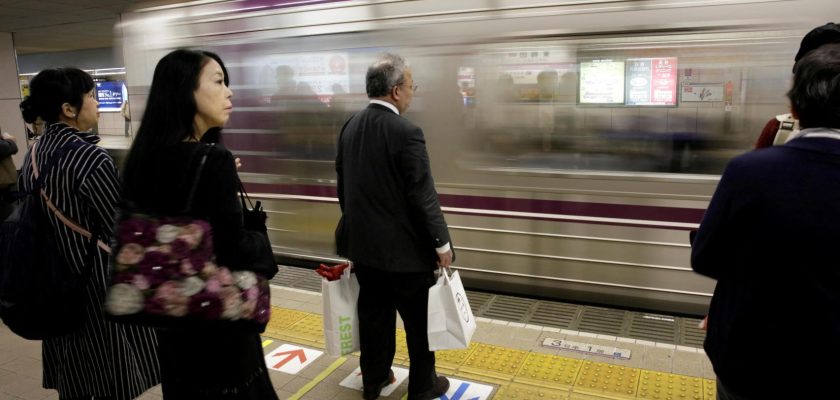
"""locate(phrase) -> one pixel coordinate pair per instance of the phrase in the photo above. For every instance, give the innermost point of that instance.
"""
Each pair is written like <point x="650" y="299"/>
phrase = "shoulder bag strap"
<point x="194" y="184"/>
<point x="39" y="185"/>
<point x="246" y="200"/>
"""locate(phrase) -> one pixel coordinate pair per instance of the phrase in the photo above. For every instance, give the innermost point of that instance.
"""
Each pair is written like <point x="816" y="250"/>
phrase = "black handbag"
<point x="254" y="220"/>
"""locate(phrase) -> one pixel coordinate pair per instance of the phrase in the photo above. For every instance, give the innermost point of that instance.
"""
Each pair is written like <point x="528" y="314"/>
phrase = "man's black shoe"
<point x="438" y="389"/>
<point x="373" y="393"/>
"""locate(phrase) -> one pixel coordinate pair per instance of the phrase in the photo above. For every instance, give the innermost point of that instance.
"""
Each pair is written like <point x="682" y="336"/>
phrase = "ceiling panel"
<point x="43" y="26"/>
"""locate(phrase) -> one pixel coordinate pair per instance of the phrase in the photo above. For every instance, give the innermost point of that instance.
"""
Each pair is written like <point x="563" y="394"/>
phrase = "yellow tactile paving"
<point x="525" y="392"/>
<point x="454" y="359"/>
<point x="521" y="375"/>
<point x="401" y="354"/>
<point x="309" y="330"/>
<point x="709" y="389"/>
<point x="549" y="371"/>
<point x="281" y="319"/>
<point x="663" y="386"/>
<point x="494" y="362"/>
<point x="607" y="380"/>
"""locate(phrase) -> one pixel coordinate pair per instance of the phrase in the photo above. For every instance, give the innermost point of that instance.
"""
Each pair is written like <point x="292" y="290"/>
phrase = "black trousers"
<point x="381" y="295"/>
<point x="213" y="365"/>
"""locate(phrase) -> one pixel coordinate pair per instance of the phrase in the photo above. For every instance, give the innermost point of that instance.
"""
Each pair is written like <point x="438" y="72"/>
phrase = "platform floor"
<point x="507" y="360"/>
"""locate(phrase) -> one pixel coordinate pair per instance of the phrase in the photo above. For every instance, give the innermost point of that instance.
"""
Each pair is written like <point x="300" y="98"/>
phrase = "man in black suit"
<point x="392" y="228"/>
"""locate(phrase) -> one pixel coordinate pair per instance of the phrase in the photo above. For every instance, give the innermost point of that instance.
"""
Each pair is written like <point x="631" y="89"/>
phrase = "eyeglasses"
<point x="413" y="87"/>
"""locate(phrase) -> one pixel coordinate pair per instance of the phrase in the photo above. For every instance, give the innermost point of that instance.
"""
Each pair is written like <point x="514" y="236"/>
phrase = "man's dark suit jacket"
<point x="770" y="238"/>
<point x="391" y="217"/>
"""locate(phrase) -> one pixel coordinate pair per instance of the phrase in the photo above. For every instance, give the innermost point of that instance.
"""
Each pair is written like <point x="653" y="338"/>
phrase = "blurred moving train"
<point x="574" y="144"/>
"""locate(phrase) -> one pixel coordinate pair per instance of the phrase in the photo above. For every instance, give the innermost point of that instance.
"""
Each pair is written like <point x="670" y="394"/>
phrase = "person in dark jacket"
<point x="769" y="239"/>
<point x="101" y="359"/>
<point x="823" y="34"/>
<point x="392" y="228"/>
<point x="189" y="102"/>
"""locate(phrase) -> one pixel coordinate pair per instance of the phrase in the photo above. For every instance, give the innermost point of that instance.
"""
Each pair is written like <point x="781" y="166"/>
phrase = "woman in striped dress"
<point x="100" y="359"/>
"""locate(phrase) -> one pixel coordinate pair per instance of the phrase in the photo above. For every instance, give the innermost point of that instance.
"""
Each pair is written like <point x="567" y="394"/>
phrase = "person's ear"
<point x="68" y="111"/>
<point x="395" y="93"/>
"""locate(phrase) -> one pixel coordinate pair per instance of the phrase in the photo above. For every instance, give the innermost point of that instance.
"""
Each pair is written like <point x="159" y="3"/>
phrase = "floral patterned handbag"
<point x="163" y="274"/>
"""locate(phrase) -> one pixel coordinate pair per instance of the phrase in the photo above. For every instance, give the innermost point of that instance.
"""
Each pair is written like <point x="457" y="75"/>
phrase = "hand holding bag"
<point x="450" y="319"/>
<point x="341" y="319"/>
<point x="163" y="274"/>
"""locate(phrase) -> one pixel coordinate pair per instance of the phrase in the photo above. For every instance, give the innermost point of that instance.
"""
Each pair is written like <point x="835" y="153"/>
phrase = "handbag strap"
<point x="243" y="196"/>
<point x="446" y="275"/>
<point x="38" y="187"/>
<point x="194" y="185"/>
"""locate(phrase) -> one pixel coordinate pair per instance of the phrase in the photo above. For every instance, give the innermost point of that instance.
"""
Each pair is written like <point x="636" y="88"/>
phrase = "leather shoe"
<point x="438" y="389"/>
<point x="373" y="393"/>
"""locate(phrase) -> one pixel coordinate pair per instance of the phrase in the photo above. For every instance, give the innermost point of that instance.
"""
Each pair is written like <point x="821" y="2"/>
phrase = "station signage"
<point x="110" y="95"/>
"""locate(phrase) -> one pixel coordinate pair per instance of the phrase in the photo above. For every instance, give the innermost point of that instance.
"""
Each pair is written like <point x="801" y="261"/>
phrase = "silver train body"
<point x="548" y="189"/>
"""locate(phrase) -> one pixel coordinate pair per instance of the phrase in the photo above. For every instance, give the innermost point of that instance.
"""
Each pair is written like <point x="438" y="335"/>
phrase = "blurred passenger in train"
<point x="769" y="238"/>
<point x="189" y="99"/>
<point x="8" y="173"/>
<point x="780" y="128"/>
<point x="392" y="228"/>
<point x="505" y="90"/>
<point x="304" y="121"/>
<point x="102" y="359"/>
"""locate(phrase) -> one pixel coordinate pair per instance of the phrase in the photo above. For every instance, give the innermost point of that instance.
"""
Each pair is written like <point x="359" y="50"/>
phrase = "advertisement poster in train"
<point x="696" y="92"/>
<point x="294" y="77"/>
<point x="651" y="81"/>
<point x="601" y="82"/>
<point x="110" y="95"/>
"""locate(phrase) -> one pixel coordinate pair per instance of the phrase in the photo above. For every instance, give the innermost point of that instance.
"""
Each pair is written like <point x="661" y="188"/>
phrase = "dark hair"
<point x="50" y="89"/>
<point x="815" y="95"/>
<point x="825" y="34"/>
<point x="170" y="109"/>
<point x="385" y="74"/>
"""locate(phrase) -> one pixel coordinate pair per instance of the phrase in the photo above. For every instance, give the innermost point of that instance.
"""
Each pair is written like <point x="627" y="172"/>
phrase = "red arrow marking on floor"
<point x="290" y="355"/>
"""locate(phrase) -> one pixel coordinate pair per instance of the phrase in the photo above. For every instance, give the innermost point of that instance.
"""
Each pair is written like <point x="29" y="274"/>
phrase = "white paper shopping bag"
<point x="450" y="318"/>
<point x="341" y="320"/>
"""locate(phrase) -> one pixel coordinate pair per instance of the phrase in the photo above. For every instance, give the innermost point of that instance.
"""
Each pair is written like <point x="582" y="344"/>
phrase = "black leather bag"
<point x="254" y="217"/>
<point x="254" y="220"/>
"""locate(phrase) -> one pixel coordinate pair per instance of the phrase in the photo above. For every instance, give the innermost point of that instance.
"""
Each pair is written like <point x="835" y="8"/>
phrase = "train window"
<point x="677" y="104"/>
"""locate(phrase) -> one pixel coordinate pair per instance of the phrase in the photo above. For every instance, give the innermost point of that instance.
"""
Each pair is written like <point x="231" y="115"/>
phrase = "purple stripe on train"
<point x="554" y="207"/>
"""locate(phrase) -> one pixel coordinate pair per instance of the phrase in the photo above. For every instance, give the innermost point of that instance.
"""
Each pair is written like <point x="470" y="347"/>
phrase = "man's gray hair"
<point x="385" y="74"/>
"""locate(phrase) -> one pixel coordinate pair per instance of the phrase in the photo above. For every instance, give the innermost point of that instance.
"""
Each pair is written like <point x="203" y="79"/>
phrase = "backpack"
<point x="40" y="294"/>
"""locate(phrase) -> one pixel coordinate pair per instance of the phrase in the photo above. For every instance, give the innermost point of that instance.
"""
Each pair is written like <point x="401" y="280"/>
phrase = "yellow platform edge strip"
<point x="503" y="380"/>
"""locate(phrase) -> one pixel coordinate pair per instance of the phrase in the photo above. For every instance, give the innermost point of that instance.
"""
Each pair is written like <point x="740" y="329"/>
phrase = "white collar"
<point x="819" y="132"/>
<point x="386" y="104"/>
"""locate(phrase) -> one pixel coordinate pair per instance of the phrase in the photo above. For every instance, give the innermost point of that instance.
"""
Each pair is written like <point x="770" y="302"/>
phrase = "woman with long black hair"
<point x="188" y="104"/>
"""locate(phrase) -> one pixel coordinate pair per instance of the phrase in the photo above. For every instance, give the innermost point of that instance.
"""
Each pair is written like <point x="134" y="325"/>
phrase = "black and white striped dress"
<point x="101" y="358"/>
